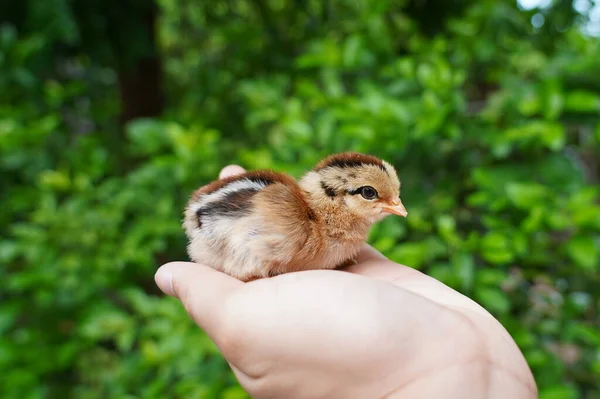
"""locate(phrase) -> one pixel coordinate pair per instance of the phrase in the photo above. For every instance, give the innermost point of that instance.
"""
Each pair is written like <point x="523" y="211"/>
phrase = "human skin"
<point x="377" y="329"/>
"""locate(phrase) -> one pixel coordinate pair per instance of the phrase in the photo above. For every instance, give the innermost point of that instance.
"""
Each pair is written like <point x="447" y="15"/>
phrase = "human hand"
<point x="374" y="330"/>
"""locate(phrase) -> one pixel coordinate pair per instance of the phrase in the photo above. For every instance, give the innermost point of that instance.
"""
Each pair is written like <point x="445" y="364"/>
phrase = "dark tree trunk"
<point x="140" y="83"/>
<point x="140" y="90"/>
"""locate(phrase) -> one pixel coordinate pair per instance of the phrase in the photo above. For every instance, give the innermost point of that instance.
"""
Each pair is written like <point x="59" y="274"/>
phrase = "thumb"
<point x="201" y="289"/>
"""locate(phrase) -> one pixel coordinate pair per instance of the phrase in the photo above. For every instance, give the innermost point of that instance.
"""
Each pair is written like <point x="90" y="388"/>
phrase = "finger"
<point x="231" y="170"/>
<point x="201" y="289"/>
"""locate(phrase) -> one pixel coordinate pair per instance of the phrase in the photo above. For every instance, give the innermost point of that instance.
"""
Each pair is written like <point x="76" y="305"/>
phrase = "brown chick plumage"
<point x="262" y="223"/>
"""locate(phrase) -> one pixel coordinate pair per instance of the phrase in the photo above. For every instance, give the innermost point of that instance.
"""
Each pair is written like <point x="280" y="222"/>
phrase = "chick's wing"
<point x="284" y="221"/>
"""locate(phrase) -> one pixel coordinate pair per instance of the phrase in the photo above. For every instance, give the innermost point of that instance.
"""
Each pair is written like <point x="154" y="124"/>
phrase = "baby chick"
<point x="260" y="224"/>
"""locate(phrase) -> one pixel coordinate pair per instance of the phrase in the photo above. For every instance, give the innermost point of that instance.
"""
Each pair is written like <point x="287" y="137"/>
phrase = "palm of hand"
<point x="376" y="329"/>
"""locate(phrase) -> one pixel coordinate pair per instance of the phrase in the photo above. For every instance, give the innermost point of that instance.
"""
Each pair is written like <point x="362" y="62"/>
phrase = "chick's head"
<point x="364" y="185"/>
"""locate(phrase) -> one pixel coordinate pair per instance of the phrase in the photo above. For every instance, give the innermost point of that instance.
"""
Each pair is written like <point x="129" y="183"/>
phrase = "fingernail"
<point x="164" y="280"/>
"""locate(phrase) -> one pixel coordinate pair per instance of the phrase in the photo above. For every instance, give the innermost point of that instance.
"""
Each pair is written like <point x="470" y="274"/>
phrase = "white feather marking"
<point x="221" y="193"/>
<point x="233" y="245"/>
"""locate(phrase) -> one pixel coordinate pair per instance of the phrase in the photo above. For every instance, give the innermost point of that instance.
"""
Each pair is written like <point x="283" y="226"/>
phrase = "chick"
<point x="260" y="224"/>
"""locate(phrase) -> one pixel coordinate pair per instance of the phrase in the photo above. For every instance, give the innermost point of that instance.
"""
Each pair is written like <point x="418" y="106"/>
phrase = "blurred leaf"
<point x="55" y="180"/>
<point x="493" y="299"/>
<point x="582" y="101"/>
<point x="496" y="248"/>
<point x="581" y="332"/>
<point x="553" y="99"/>
<point x="526" y="195"/>
<point x="584" y="251"/>
<point x="447" y="229"/>
<point x="492" y="277"/>
<point x="106" y="324"/>
<point x="148" y="136"/>
<point x="464" y="267"/>
<point x="558" y="392"/>
<point x="529" y="104"/>
<point x="418" y="253"/>
<point x="235" y="393"/>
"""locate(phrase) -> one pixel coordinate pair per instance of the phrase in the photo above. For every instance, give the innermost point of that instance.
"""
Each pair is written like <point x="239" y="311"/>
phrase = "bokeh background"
<point x="113" y="111"/>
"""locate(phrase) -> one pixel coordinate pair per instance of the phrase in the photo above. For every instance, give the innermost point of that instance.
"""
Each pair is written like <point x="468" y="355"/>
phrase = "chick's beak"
<point x="395" y="207"/>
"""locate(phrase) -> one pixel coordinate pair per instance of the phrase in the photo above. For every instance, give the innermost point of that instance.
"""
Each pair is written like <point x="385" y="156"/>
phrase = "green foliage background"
<point x="493" y="124"/>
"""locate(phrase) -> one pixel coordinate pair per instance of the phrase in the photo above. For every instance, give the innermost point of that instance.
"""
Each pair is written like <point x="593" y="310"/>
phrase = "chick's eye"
<point x="368" y="192"/>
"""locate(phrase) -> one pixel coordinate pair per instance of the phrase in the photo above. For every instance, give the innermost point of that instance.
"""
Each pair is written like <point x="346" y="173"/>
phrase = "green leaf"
<point x="554" y="137"/>
<point x="491" y="277"/>
<point x="493" y="299"/>
<point x="519" y="243"/>
<point x="582" y="101"/>
<point x="553" y="99"/>
<point x="426" y="75"/>
<point x="584" y="251"/>
<point x="554" y="103"/>
<point x="106" y="323"/>
<point x="299" y="130"/>
<point x="496" y="248"/>
<point x="351" y="52"/>
<point x="526" y="195"/>
<point x="8" y="35"/>
<point x="55" y="180"/>
<point x="529" y="104"/>
<point x="581" y="332"/>
<point x="552" y="134"/>
<point x="444" y="273"/>
<point x="411" y="254"/>
<point x="385" y="244"/>
<point x="236" y="392"/>
<point x="559" y="392"/>
<point x="447" y="229"/>
<point x="464" y="268"/>
<point x="148" y="136"/>
<point x="8" y="251"/>
<point x="416" y="254"/>
<point x="535" y="219"/>
<point x="8" y="316"/>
